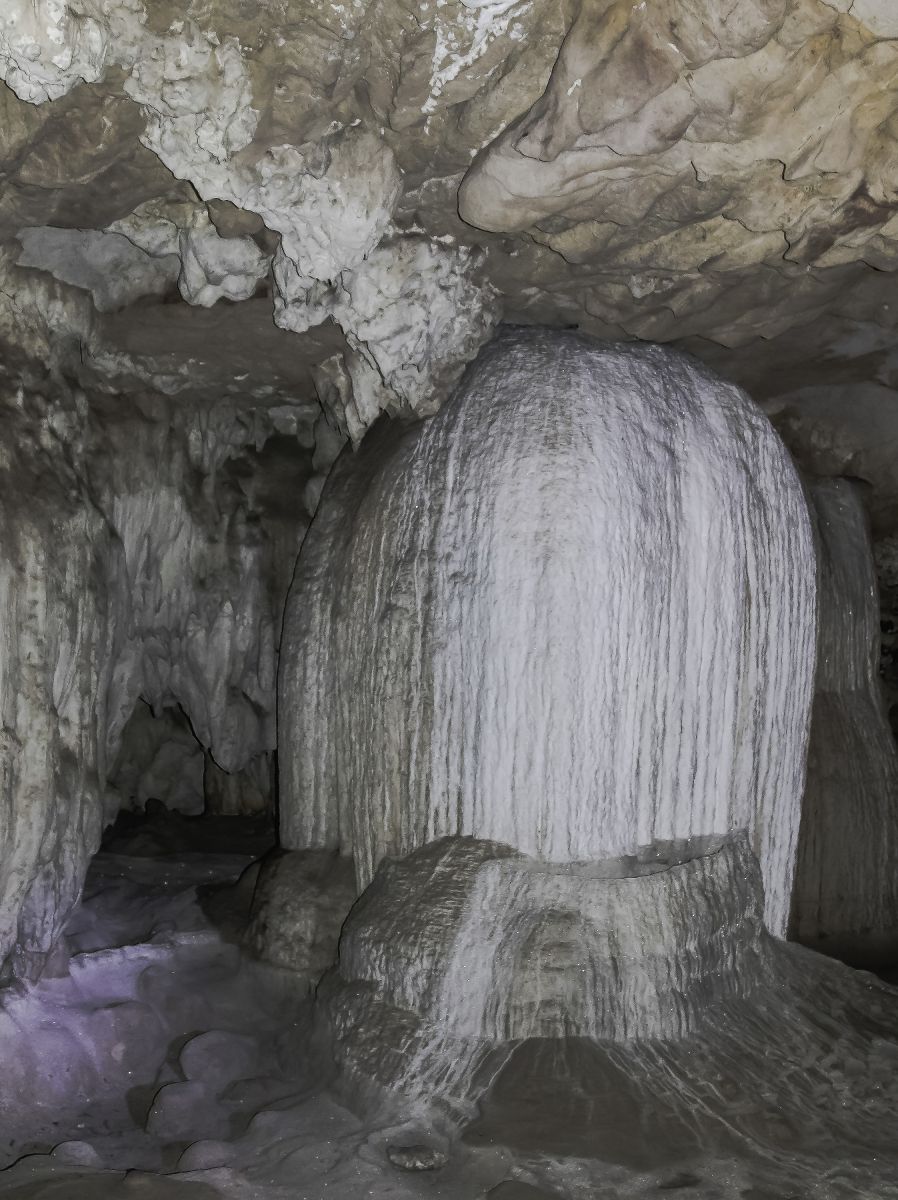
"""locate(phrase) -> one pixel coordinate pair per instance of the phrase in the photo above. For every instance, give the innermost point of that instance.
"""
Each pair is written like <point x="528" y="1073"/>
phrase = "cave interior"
<point x="448" y="599"/>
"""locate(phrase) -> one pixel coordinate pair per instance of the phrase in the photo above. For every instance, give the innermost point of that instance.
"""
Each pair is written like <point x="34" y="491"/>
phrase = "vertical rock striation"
<point x="572" y="613"/>
<point x="846" y="893"/>
<point x="466" y="947"/>
<point x="54" y="664"/>
<point x="142" y="576"/>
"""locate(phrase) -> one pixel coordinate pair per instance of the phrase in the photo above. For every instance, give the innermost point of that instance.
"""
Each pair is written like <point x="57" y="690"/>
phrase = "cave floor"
<point x="163" y="1062"/>
<point x="159" y="1061"/>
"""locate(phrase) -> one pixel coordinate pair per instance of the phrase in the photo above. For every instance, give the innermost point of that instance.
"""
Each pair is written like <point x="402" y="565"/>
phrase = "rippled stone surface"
<point x="573" y="613"/>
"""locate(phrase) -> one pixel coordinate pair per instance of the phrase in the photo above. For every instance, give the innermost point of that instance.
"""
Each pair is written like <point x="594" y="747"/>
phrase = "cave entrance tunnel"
<point x="163" y="775"/>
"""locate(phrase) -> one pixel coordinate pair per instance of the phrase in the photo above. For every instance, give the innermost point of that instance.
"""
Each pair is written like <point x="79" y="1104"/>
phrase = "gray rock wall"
<point x="142" y="568"/>
<point x="55" y="661"/>
<point x="846" y="894"/>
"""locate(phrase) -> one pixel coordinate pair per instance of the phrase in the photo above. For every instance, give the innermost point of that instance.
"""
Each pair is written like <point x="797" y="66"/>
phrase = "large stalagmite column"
<point x="53" y="674"/>
<point x="572" y="613"/>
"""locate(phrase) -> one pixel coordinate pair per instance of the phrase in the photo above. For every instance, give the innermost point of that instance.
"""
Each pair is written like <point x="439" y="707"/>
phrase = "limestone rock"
<point x="573" y="613"/>
<point x="299" y="906"/>
<point x="627" y="1018"/>
<point x="846" y="895"/>
<point x="216" y="1058"/>
<point x="108" y="265"/>
<point x="466" y="946"/>
<point x="206" y="1155"/>
<point x="836" y="430"/>
<point x="414" y="315"/>
<point x="80" y="1153"/>
<point x="722" y="179"/>
<point x="417" y="1158"/>
<point x="51" y="680"/>
<point x="185" y="1111"/>
<point x="213" y="267"/>
<point x="141" y="574"/>
<point x="148" y="254"/>
<point x="647" y="172"/>
<point x="46" y="48"/>
<point x="238" y="793"/>
<point x="159" y="759"/>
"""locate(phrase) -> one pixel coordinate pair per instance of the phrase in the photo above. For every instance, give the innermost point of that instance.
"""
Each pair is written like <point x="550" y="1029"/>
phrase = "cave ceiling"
<point x="290" y="204"/>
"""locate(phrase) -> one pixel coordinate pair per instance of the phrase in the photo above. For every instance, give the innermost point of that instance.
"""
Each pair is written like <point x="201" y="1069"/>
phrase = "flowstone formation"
<point x="53" y="676"/>
<point x="547" y="671"/>
<point x="846" y="895"/>
<point x="466" y="947"/>
<point x="573" y="614"/>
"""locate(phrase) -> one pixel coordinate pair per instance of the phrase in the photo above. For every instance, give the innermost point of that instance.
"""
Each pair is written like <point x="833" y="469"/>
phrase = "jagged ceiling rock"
<point x="108" y="265"/>
<point x="75" y="163"/>
<point x="675" y="170"/>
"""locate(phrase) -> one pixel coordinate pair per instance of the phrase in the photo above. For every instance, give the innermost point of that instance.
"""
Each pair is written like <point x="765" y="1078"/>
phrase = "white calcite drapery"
<point x="465" y="947"/>
<point x="572" y="613"/>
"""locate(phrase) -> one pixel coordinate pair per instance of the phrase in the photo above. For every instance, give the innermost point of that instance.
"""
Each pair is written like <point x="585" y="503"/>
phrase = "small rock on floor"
<point x="78" y="1153"/>
<point x="417" y="1158"/>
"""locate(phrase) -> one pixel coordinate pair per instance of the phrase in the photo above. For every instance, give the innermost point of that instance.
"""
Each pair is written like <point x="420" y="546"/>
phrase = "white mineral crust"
<point x="573" y="613"/>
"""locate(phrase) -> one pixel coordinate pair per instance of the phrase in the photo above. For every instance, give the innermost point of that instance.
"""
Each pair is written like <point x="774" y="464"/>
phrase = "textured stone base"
<point x="629" y="1016"/>
<point x="466" y="946"/>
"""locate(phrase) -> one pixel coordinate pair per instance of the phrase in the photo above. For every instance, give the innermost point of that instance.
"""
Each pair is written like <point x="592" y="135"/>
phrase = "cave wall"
<point x="573" y="613"/>
<point x="143" y="564"/>
<point x="846" y="891"/>
<point x="212" y="214"/>
<point x="54" y="679"/>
